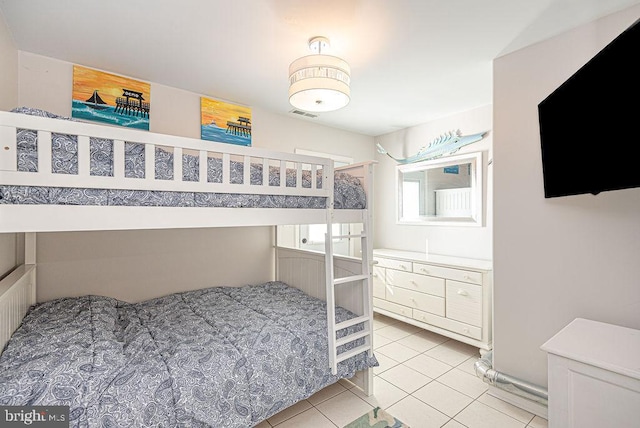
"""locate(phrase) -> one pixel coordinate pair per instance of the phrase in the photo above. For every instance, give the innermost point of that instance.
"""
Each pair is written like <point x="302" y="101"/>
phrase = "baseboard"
<point x="526" y="404"/>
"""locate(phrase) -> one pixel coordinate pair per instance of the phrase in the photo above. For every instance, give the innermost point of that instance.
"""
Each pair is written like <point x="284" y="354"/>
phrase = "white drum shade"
<point x="319" y="83"/>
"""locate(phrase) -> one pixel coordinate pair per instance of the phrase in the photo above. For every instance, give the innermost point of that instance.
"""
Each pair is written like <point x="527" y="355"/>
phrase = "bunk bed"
<point x="219" y="356"/>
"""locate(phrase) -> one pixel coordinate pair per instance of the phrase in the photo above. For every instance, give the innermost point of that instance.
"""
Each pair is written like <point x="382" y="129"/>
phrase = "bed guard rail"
<point x="225" y="154"/>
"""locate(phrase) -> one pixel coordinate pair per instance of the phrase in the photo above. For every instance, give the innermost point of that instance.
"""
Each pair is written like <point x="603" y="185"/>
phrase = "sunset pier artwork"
<point x="214" y="114"/>
<point x="110" y="98"/>
<point x="241" y="127"/>
<point x="131" y="103"/>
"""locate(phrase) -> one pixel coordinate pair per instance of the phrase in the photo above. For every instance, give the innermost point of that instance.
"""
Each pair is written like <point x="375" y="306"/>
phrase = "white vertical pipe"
<point x="30" y="248"/>
<point x="84" y="156"/>
<point x="118" y="159"/>
<point x="149" y="162"/>
<point x="202" y="177"/>
<point x="44" y="152"/>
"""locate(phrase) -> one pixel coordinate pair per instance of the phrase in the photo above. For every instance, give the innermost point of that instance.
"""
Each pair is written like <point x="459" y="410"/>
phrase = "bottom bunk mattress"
<point x="221" y="357"/>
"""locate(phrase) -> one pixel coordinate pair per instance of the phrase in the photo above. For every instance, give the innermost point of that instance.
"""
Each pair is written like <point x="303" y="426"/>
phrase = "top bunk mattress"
<point x="349" y="192"/>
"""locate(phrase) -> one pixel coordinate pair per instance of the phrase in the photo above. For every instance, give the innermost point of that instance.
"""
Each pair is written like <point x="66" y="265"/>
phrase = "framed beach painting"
<point x="109" y="98"/>
<point x="224" y="122"/>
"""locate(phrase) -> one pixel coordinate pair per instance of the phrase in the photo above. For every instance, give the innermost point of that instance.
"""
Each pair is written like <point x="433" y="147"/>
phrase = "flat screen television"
<point x="590" y="125"/>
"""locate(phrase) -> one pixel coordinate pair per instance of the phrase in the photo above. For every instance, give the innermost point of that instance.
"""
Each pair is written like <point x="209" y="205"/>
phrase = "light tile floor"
<point x="424" y="379"/>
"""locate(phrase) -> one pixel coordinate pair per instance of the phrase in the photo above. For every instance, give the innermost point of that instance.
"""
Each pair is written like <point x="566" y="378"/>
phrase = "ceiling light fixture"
<point x="319" y="83"/>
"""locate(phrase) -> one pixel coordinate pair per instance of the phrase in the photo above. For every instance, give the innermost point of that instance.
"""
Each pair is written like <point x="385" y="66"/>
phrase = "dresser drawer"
<point x="394" y="264"/>
<point x="448" y="295"/>
<point x="415" y="282"/>
<point x="413" y="299"/>
<point x="448" y="273"/>
<point x="392" y="307"/>
<point x="378" y="282"/>
<point x="464" y="302"/>
<point x="449" y="324"/>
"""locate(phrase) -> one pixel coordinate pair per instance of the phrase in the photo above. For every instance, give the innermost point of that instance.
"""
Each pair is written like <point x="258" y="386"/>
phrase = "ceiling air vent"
<point x="303" y="113"/>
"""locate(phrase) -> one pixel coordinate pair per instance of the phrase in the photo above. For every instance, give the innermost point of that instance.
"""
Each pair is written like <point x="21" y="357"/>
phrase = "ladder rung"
<point x="349" y="236"/>
<point x="352" y="321"/>
<point x="346" y="279"/>
<point x="351" y="337"/>
<point x="350" y="353"/>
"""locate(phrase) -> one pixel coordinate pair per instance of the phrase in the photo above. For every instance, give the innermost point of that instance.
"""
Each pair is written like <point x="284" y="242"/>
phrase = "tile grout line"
<point x="526" y="424"/>
<point x="403" y="363"/>
<point x="346" y="390"/>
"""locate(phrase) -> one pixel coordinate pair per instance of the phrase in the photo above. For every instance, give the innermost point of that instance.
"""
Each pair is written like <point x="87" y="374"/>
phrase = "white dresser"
<point x="448" y="295"/>
<point x="594" y="376"/>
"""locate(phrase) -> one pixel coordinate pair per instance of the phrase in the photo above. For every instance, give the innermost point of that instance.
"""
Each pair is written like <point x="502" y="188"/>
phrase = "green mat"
<point x="376" y="418"/>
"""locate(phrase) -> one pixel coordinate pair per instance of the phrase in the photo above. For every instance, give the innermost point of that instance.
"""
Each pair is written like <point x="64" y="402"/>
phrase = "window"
<point x="316" y="232"/>
<point x="411" y="199"/>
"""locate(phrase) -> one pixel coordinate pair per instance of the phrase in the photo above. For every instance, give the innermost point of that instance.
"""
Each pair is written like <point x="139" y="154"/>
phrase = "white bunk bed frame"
<point x="310" y="271"/>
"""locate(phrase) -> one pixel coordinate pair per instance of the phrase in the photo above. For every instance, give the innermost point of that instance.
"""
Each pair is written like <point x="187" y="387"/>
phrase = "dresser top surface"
<point x="437" y="259"/>
<point x="607" y="346"/>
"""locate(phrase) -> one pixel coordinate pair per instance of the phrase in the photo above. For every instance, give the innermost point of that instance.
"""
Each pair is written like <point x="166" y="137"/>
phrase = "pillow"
<point x="38" y="112"/>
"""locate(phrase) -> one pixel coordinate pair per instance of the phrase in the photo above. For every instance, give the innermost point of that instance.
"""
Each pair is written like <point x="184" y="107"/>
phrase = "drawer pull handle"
<point x="462" y="293"/>
<point x="403" y="267"/>
<point x="413" y="282"/>
<point x="375" y="275"/>
<point x="466" y="330"/>
<point x="424" y="270"/>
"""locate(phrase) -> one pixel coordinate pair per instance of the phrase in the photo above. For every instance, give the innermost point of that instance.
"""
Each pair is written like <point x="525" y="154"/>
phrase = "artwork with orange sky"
<point x="110" y="98"/>
<point x="224" y="122"/>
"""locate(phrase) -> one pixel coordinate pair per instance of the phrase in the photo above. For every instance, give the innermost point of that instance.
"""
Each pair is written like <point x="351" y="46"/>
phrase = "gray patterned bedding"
<point x="348" y="191"/>
<point x="216" y="357"/>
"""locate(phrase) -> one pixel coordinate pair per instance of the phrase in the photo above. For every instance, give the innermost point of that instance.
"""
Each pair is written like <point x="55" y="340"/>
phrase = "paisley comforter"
<point x="348" y="191"/>
<point x="216" y="357"/>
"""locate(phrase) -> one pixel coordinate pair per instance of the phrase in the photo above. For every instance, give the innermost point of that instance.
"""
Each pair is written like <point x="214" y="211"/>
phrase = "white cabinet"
<point x="594" y="376"/>
<point x="447" y="295"/>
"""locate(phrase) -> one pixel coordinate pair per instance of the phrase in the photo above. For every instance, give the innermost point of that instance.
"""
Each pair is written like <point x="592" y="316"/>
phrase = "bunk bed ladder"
<point x="364" y="280"/>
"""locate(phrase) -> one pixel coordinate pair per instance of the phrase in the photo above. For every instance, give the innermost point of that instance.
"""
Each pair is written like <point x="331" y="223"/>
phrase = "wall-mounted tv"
<point x="590" y="125"/>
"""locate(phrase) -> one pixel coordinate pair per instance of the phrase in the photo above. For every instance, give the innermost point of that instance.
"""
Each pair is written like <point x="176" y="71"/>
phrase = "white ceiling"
<point x="412" y="61"/>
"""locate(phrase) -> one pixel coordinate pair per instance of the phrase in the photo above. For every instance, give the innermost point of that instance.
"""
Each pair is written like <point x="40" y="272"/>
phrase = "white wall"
<point x="8" y="100"/>
<point x="285" y="134"/>
<point x="562" y="258"/>
<point x="8" y="68"/>
<point x="115" y="263"/>
<point x="7" y="253"/>
<point x="140" y="264"/>
<point x="461" y="241"/>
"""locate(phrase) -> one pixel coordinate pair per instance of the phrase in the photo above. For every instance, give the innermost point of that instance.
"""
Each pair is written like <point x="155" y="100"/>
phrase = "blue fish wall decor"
<point x="445" y="144"/>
